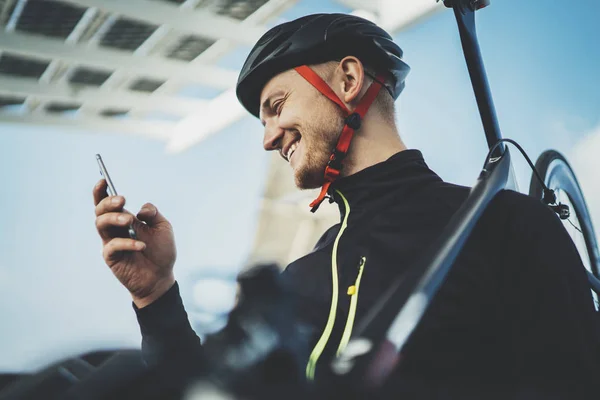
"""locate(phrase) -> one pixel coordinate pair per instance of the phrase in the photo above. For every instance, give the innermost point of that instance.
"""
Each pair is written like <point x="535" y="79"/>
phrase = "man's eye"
<point x="277" y="107"/>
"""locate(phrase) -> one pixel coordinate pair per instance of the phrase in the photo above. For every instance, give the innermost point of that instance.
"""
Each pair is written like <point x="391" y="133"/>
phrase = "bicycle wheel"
<point x="557" y="174"/>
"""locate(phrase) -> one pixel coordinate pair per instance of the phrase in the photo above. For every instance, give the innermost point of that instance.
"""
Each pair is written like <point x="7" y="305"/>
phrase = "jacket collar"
<point x="387" y="182"/>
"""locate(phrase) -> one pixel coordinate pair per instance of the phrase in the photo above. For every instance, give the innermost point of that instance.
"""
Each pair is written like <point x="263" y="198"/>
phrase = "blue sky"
<point x="56" y="295"/>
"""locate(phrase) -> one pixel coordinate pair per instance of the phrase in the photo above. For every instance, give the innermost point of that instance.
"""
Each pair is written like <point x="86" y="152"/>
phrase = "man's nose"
<point x="273" y="136"/>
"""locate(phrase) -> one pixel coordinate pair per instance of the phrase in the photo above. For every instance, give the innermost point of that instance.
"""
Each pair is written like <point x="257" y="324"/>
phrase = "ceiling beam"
<point x="258" y="17"/>
<point x="99" y="97"/>
<point x="370" y="6"/>
<point x="4" y="11"/>
<point x="218" y="114"/>
<point x="119" y="78"/>
<point x="157" y="130"/>
<point x="11" y="24"/>
<point x="148" y="66"/>
<point x="222" y="46"/>
<point x="396" y="15"/>
<point x="225" y="109"/>
<point x="57" y="67"/>
<point x="200" y="22"/>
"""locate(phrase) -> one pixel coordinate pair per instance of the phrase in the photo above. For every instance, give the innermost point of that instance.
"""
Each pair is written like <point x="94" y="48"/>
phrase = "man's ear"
<point x="351" y="79"/>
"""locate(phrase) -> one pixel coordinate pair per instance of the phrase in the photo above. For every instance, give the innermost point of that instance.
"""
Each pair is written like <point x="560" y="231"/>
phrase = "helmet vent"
<point x="282" y="49"/>
<point x="268" y="36"/>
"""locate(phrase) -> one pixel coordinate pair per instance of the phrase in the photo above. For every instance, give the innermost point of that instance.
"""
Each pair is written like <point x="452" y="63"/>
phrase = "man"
<point x="515" y="312"/>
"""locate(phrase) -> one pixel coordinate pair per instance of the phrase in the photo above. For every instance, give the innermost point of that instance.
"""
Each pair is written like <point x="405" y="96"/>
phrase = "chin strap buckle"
<point x="335" y="162"/>
<point x="353" y="121"/>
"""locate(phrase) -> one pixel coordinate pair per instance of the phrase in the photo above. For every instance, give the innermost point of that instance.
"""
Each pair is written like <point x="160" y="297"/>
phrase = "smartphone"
<point x="111" y="189"/>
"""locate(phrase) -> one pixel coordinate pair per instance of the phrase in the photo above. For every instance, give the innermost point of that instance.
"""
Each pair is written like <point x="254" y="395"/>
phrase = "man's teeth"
<point x="291" y="150"/>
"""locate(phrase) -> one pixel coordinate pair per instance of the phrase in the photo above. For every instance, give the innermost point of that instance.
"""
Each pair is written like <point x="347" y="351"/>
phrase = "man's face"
<point x="302" y="124"/>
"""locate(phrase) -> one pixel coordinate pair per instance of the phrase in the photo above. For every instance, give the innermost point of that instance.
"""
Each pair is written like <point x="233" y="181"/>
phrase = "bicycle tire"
<point x="557" y="174"/>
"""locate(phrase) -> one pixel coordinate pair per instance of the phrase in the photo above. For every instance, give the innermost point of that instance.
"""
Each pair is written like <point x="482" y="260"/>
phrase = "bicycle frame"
<point x="372" y="352"/>
<point x="464" y="11"/>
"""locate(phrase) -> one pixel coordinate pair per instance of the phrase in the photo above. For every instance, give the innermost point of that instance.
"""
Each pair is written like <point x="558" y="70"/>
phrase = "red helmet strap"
<point x="352" y="122"/>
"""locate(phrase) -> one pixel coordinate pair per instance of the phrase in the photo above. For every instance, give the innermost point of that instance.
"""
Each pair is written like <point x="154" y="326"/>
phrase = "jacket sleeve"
<point x="168" y="340"/>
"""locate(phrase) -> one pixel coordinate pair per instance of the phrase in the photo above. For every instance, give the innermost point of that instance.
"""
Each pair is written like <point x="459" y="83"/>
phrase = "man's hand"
<point x="143" y="266"/>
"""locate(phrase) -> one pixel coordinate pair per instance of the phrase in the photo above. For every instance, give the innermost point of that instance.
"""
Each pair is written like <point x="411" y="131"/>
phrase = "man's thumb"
<point x="150" y="215"/>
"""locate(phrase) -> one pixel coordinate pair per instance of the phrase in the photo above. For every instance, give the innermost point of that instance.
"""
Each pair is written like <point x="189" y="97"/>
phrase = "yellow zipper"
<point x="353" y="293"/>
<point x="320" y="346"/>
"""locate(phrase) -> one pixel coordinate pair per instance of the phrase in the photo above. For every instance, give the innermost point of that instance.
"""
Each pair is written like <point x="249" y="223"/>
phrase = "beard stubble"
<point x="320" y="138"/>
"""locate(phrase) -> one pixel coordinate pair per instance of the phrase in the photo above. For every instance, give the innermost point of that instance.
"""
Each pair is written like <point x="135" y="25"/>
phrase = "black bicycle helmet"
<point x="315" y="39"/>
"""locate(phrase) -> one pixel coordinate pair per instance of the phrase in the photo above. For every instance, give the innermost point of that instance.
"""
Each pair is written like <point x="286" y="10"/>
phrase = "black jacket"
<point x="515" y="311"/>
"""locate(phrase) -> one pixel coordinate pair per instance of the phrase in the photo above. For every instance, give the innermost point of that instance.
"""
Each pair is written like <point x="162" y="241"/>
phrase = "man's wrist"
<point x="160" y="289"/>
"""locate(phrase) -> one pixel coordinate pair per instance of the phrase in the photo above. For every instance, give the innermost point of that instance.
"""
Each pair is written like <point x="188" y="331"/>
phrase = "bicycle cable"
<point x="549" y="196"/>
<point x="575" y="226"/>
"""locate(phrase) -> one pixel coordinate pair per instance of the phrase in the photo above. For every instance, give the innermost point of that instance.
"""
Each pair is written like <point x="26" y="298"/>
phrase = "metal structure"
<point x="120" y="66"/>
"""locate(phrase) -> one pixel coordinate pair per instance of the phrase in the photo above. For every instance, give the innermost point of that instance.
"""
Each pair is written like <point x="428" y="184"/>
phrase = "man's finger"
<point x="150" y="215"/>
<point x="106" y="223"/>
<point x="110" y="204"/>
<point x="114" y="249"/>
<point x="99" y="191"/>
